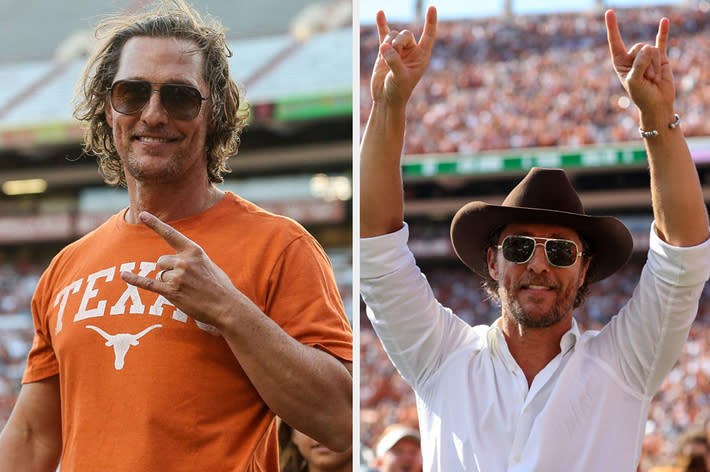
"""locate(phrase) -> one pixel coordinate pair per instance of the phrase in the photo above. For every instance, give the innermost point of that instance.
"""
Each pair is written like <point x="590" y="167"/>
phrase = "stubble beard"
<point x="563" y="305"/>
<point x="136" y="168"/>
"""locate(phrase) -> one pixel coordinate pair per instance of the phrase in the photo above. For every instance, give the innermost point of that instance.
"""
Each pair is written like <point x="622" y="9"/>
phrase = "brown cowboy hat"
<point x="543" y="196"/>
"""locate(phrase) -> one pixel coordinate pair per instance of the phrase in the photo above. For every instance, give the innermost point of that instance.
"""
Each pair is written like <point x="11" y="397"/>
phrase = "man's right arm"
<point x="399" y="66"/>
<point x="32" y="438"/>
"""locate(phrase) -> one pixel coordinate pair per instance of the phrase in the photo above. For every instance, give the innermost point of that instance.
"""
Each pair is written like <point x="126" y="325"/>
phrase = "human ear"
<point x="491" y="260"/>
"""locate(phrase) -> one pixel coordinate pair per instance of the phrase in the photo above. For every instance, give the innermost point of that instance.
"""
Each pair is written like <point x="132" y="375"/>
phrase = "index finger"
<point x="175" y="238"/>
<point x="613" y="35"/>
<point x="662" y="37"/>
<point x="382" y="28"/>
<point x="426" y="42"/>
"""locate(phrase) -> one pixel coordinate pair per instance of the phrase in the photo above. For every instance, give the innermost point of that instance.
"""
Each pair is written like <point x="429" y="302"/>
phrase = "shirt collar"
<point x="496" y="339"/>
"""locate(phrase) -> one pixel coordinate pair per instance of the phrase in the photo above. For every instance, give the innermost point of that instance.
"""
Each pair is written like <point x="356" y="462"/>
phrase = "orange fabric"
<point x="143" y="386"/>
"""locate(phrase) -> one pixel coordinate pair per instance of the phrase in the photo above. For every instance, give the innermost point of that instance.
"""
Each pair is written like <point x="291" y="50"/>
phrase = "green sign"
<point x="453" y="165"/>
<point x="316" y="107"/>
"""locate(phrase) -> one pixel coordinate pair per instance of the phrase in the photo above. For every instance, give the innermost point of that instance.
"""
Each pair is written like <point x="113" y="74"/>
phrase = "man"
<point x="398" y="450"/>
<point x="298" y="452"/>
<point x="692" y="454"/>
<point x="171" y="346"/>
<point x="531" y="392"/>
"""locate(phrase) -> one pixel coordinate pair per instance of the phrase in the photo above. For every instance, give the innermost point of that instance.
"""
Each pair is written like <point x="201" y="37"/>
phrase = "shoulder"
<point x="260" y="219"/>
<point x="96" y="236"/>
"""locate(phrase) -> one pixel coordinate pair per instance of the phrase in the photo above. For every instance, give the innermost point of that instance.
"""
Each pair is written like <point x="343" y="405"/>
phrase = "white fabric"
<point x="585" y="411"/>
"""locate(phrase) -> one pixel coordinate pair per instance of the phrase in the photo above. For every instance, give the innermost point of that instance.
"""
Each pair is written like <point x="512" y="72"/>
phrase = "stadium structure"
<point x="294" y="61"/>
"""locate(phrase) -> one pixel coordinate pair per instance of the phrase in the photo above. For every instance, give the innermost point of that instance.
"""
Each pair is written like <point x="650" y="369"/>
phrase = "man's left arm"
<point x="651" y="329"/>
<point x="645" y="72"/>
<point x="306" y="386"/>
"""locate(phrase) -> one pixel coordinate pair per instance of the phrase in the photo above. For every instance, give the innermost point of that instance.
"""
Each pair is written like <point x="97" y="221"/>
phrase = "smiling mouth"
<point x="152" y="139"/>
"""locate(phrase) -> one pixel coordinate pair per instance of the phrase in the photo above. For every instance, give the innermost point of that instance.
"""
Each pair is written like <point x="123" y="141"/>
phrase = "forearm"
<point x="31" y="440"/>
<point x="19" y="451"/>
<point x="308" y="388"/>
<point x="678" y="203"/>
<point x="381" y="194"/>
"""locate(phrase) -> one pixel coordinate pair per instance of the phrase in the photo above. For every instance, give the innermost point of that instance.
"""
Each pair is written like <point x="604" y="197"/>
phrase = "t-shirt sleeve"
<point x="41" y="361"/>
<point x="304" y="299"/>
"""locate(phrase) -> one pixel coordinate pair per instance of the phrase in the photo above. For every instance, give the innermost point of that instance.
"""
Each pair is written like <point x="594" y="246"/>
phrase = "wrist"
<point x="658" y="120"/>
<point x="650" y="133"/>
<point x="389" y="107"/>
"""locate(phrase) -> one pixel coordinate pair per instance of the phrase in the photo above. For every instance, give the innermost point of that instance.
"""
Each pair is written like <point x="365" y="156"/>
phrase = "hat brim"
<point x="610" y="241"/>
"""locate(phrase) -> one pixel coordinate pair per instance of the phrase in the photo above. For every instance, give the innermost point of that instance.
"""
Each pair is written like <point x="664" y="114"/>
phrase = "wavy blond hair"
<point x="169" y="19"/>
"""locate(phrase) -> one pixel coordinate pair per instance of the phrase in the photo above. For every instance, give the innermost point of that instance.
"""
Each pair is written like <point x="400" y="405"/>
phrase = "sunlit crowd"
<point x="542" y="80"/>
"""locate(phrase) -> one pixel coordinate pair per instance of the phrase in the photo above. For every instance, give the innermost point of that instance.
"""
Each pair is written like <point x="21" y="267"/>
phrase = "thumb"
<point x="393" y="60"/>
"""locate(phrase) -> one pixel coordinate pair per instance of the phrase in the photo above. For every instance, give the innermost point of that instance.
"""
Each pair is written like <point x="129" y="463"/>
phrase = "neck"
<point x="533" y="348"/>
<point x="168" y="202"/>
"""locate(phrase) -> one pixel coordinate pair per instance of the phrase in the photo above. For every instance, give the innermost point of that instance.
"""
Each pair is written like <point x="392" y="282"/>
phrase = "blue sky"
<point x="398" y="10"/>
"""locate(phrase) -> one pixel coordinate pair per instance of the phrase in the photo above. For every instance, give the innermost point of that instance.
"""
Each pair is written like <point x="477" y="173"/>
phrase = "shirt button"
<point x="517" y="458"/>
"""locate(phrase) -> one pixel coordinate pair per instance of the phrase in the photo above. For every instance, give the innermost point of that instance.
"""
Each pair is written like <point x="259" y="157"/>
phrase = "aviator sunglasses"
<point x="180" y="101"/>
<point x="559" y="252"/>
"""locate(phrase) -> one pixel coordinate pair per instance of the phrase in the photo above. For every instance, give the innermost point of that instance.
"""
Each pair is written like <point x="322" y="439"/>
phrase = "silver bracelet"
<point x="654" y="132"/>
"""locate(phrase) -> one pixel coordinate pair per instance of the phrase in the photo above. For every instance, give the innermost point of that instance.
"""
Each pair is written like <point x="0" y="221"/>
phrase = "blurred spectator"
<point x="398" y="450"/>
<point x="300" y="453"/>
<point x="693" y="454"/>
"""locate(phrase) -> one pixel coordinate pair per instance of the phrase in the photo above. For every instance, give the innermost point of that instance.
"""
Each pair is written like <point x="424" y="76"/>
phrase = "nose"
<point x="153" y="112"/>
<point x="538" y="262"/>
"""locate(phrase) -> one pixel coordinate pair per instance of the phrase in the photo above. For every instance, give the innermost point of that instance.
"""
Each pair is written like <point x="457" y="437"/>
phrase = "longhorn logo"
<point x="121" y="342"/>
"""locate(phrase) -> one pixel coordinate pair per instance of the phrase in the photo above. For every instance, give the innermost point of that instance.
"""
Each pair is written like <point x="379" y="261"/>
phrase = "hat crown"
<point x="546" y="189"/>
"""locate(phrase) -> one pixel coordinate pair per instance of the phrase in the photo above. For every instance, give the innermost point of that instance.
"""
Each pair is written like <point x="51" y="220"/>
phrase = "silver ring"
<point x="160" y="275"/>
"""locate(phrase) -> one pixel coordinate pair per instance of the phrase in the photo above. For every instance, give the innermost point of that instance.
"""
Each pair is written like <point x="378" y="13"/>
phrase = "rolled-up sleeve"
<point x="647" y="336"/>
<point x="416" y="331"/>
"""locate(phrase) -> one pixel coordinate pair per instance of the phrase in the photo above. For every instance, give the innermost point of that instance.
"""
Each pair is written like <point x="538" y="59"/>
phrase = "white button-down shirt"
<point x="585" y="411"/>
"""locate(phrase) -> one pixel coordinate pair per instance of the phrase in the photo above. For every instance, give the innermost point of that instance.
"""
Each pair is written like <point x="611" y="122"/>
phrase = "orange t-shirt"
<point x="143" y="386"/>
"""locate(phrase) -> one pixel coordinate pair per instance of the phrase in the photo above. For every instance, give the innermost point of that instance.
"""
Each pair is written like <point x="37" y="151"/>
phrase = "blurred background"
<point x="514" y="84"/>
<point x="294" y="59"/>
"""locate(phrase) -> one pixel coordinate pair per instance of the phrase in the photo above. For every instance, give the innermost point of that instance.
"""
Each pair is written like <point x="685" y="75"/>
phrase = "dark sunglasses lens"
<point x="182" y="102"/>
<point x="561" y="253"/>
<point x="517" y="249"/>
<point x="130" y="97"/>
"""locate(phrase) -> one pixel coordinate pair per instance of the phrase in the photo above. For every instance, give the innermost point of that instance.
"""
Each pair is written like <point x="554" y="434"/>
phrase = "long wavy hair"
<point x="169" y="19"/>
<point x="290" y="458"/>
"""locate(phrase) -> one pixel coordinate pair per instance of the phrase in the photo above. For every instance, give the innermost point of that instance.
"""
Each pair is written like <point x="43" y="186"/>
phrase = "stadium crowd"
<point x="17" y="284"/>
<point x="541" y="80"/>
<point x="682" y="403"/>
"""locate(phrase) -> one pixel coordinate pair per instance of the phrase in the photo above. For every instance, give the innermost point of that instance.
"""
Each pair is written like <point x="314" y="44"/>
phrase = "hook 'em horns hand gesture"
<point x="401" y="60"/>
<point x="644" y="70"/>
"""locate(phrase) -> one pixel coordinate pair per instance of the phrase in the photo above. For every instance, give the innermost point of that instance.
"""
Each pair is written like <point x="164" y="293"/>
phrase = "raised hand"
<point x="644" y="70"/>
<point x="401" y="60"/>
<point x="188" y="279"/>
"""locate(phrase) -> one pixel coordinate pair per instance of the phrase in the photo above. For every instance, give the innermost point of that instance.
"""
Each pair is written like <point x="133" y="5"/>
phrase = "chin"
<point x="536" y="316"/>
